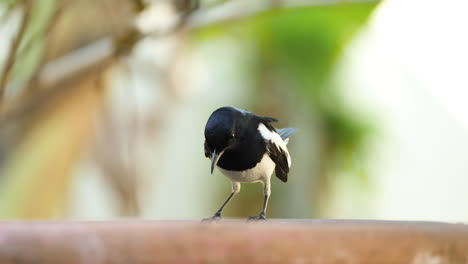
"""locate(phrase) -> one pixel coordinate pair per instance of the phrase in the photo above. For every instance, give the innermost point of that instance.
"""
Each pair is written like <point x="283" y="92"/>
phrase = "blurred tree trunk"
<point x="50" y="121"/>
<point x="38" y="171"/>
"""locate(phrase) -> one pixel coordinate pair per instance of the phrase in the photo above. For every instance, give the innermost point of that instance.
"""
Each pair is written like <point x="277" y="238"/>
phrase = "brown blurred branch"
<point x="234" y="241"/>
<point x="139" y="5"/>
<point x="5" y="76"/>
<point x="98" y="51"/>
<point x="56" y="76"/>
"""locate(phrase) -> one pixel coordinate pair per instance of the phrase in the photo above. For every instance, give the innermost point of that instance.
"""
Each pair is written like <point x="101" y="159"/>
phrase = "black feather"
<point x="280" y="159"/>
<point x="269" y="119"/>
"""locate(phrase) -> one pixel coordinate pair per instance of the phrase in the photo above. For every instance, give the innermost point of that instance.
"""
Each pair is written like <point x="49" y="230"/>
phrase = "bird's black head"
<point x="221" y="131"/>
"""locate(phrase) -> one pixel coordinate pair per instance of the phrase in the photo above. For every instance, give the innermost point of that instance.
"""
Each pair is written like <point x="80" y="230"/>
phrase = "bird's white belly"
<point x="263" y="170"/>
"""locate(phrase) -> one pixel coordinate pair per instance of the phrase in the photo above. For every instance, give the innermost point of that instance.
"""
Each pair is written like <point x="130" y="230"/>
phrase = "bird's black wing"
<point x="278" y="152"/>
<point x="269" y="120"/>
<point x="279" y="157"/>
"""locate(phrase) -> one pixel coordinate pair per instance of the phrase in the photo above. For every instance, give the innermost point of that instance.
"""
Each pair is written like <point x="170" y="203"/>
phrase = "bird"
<point x="246" y="148"/>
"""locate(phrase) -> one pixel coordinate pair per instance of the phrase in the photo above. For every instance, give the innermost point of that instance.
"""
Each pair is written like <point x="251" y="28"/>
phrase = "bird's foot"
<point x="215" y="217"/>
<point x="256" y="218"/>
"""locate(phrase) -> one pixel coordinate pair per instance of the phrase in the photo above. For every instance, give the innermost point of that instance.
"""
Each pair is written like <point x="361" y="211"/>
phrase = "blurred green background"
<point x="103" y="106"/>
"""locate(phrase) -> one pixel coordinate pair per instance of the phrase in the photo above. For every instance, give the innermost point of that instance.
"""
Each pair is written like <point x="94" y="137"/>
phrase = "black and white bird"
<point x="246" y="148"/>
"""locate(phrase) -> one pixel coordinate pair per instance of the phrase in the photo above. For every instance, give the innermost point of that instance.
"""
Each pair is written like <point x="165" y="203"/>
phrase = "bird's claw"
<point x="255" y="218"/>
<point x="215" y="217"/>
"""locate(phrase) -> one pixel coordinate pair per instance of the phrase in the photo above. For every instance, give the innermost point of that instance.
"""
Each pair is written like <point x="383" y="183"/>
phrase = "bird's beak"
<point x="214" y="159"/>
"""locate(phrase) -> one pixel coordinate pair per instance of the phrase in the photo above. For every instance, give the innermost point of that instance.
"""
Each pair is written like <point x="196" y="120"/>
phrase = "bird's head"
<point x="221" y="132"/>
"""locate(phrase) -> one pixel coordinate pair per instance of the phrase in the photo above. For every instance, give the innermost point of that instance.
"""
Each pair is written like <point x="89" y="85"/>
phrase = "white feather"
<point x="261" y="172"/>
<point x="275" y="138"/>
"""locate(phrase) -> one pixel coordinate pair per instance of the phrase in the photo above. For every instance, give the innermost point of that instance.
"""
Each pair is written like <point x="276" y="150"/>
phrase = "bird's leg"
<point x="267" y="192"/>
<point x="217" y="215"/>
<point x="262" y="215"/>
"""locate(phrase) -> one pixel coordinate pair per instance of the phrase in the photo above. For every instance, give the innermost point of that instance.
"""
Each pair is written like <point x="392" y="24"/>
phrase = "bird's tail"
<point x="285" y="133"/>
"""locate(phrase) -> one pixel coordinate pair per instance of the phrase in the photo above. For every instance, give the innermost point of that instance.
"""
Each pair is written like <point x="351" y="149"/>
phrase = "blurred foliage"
<point x="302" y="45"/>
<point x="8" y="3"/>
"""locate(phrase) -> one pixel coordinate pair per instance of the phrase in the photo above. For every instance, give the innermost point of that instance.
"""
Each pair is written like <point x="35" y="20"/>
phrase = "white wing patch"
<point x="276" y="139"/>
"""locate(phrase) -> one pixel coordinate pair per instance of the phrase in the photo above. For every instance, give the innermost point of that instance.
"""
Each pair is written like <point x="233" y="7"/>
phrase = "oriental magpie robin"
<point x="246" y="148"/>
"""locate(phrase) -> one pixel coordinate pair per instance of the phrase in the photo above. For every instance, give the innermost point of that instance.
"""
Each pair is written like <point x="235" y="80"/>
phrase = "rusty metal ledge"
<point x="234" y="241"/>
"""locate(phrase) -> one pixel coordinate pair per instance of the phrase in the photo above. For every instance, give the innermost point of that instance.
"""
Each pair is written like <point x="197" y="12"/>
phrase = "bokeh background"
<point x="103" y="105"/>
